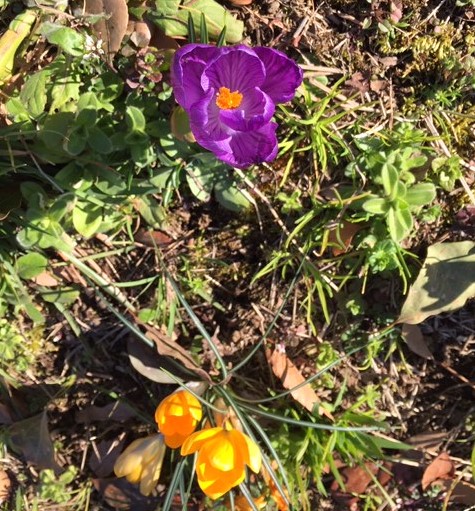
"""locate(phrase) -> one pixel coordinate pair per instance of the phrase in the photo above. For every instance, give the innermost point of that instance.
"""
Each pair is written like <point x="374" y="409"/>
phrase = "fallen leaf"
<point x="415" y="340"/>
<point x="241" y="2"/>
<point x="5" y="487"/>
<point x="342" y="236"/>
<point x="153" y="238"/>
<point x="444" y="283"/>
<point x="356" y="478"/>
<point x="167" y="347"/>
<point x="45" y="278"/>
<point x="5" y="414"/>
<point x="32" y="439"/>
<point x="104" y="455"/>
<point x="150" y="364"/>
<point x="441" y="468"/>
<point x="112" y="28"/>
<point x="291" y="377"/>
<point x="140" y="33"/>
<point x="396" y="10"/>
<point x="462" y="493"/>
<point x="117" y="411"/>
<point x="120" y="494"/>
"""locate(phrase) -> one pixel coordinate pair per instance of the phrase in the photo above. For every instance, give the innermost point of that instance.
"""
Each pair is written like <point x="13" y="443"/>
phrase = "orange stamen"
<point x="227" y="100"/>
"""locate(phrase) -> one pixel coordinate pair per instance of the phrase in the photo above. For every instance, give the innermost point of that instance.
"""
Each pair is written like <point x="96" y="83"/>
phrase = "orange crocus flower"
<point x="222" y="457"/>
<point x="177" y="417"/>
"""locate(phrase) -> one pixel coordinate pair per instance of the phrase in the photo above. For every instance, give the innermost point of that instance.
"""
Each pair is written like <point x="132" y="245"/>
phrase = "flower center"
<point x="227" y="100"/>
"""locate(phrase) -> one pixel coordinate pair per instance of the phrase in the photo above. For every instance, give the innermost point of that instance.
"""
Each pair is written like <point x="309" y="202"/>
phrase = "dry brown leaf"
<point x="31" y="437"/>
<point x="118" y="412"/>
<point x="5" y="487"/>
<point x="342" y="236"/>
<point x="153" y="238"/>
<point x="5" y="414"/>
<point x="167" y="347"/>
<point x="120" y="494"/>
<point x="441" y="468"/>
<point x="45" y="278"/>
<point x="241" y="2"/>
<point x="104" y="455"/>
<point x="415" y="340"/>
<point x="140" y="33"/>
<point x="462" y="493"/>
<point x="290" y="377"/>
<point x="113" y="27"/>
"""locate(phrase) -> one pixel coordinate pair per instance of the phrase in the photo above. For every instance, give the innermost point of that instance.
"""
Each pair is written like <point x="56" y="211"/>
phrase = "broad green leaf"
<point x="71" y="42"/>
<point x="201" y="180"/>
<point x="390" y="178"/>
<point x="420" y="194"/>
<point x="99" y="141"/>
<point x="216" y="16"/>
<point x="143" y="154"/>
<point x="445" y="282"/>
<point x="33" y="93"/>
<point x="75" y="142"/>
<point x="108" y="181"/>
<point x="376" y="206"/>
<point x="30" y="265"/>
<point x="55" y="128"/>
<point x="64" y="295"/>
<point x="135" y="119"/>
<point x="399" y="223"/>
<point x="167" y="7"/>
<point x="87" y="219"/>
<point x="229" y="195"/>
<point x="152" y="212"/>
<point x="65" y="90"/>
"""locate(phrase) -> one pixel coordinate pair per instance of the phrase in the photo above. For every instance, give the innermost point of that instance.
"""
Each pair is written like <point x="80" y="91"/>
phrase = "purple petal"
<point x="283" y="75"/>
<point x="207" y="128"/>
<point x="250" y="147"/>
<point x="236" y="67"/>
<point x="256" y="109"/>
<point x="188" y="65"/>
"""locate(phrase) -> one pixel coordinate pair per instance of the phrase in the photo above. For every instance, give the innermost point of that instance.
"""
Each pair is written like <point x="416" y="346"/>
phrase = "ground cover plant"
<point x="236" y="255"/>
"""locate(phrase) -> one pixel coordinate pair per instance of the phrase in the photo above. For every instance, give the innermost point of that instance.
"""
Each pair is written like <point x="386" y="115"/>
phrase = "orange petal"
<point x="195" y="441"/>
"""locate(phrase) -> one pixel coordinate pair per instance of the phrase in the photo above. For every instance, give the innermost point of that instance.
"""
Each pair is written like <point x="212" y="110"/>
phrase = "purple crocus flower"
<point x="230" y="95"/>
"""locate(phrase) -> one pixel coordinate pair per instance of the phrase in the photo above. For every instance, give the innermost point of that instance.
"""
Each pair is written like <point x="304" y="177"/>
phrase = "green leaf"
<point x="420" y="194"/>
<point x="65" y="90"/>
<point x="64" y="295"/>
<point x="229" y="195"/>
<point x="33" y="93"/>
<point x="167" y="7"/>
<point x="135" y="119"/>
<point x="444" y="283"/>
<point x="376" y="206"/>
<point x="399" y="223"/>
<point x="99" y="141"/>
<point x="201" y="180"/>
<point x="217" y="17"/>
<point x="55" y="128"/>
<point x="30" y="265"/>
<point x="390" y="179"/>
<point x="75" y="142"/>
<point x="107" y="180"/>
<point x="70" y="41"/>
<point x="87" y="219"/>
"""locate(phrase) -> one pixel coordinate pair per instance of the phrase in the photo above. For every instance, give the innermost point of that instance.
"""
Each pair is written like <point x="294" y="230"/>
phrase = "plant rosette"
<point x="230" y="95"/>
